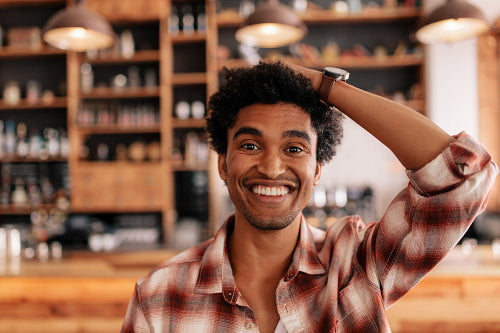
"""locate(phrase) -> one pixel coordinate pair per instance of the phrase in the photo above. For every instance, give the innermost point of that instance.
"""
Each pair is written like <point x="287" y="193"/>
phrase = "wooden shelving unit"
<point x="149" y="186"/>
<point x="326" y="26"/>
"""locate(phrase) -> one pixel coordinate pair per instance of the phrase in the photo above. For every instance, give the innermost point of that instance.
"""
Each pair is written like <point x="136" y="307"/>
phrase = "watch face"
<point x="337" y="73"/>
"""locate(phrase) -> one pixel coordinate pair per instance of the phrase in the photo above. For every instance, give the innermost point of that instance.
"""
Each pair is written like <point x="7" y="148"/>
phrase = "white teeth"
<point x="270" y="190"/>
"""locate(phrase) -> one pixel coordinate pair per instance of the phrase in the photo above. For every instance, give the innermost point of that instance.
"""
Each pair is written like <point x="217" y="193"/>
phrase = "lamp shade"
<point x="453" y="21"/>
<point x="271" y="25"/>
<point x="78" y="29"/>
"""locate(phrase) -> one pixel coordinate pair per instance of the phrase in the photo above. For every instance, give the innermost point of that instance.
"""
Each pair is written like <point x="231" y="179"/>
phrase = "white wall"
<point x="451" y="77"/>
<point x="452" y="102"/>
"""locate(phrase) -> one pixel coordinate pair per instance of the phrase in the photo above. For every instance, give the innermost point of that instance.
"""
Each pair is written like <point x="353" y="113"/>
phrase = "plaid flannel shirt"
<point x="341" y="279"/>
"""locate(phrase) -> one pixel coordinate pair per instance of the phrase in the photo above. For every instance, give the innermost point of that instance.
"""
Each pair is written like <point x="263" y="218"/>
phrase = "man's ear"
<point x="317" y="174"/>
<point x="222" y="166"/>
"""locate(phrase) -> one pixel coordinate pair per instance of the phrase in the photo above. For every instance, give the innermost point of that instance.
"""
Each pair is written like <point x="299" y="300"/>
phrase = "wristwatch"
<point x="330" y="76"/>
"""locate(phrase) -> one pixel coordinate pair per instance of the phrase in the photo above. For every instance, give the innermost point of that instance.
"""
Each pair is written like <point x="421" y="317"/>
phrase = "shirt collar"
<point x="216" y="275"/>
<point x="305" y="257"/>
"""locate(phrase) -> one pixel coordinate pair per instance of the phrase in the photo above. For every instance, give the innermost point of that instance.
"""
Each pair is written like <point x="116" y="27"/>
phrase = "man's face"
<point x="270" y="165"/>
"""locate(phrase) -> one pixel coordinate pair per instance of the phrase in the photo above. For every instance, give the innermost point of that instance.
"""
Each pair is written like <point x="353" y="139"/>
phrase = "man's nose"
<point x="271" y="165"/>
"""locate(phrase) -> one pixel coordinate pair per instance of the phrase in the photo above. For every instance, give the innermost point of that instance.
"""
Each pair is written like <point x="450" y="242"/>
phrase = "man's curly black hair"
<point x="271" y="83"/>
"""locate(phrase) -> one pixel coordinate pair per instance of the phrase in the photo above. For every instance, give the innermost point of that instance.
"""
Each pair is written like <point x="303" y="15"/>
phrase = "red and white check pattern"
<point x="341" y="280"/>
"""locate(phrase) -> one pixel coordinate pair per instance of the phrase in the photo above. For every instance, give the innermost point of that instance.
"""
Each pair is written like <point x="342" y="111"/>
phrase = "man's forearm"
<point x="413" y="138"/>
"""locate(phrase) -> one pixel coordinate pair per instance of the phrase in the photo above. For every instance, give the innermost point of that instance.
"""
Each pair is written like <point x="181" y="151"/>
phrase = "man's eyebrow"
<point x="247" y="130"/>
<point x="298" y="134"/>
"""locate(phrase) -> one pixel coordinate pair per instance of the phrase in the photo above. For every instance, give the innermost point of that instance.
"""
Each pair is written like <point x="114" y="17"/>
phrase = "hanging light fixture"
<point x="78" y="29"/>
<point x="271" y="25"/>
<point x="453" y="21"/>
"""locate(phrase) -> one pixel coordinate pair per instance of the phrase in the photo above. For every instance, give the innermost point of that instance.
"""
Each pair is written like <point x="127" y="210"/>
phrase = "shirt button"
<point x="249" y="326"/>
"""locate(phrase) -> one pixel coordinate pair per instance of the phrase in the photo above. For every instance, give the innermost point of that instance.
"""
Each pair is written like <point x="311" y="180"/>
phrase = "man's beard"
<point x="270" y="222"/>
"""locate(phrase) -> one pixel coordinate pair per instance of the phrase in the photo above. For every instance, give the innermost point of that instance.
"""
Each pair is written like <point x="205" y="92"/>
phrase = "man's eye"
<point x="294" y="149"/>
<point x="249" y="146"/>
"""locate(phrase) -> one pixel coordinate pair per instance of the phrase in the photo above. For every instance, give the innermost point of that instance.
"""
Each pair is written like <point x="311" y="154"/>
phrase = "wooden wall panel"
<point x="489" y="104"/>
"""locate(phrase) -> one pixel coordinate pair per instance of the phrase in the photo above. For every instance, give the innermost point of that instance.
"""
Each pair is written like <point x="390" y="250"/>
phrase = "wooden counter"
<point x="87" y="292"/>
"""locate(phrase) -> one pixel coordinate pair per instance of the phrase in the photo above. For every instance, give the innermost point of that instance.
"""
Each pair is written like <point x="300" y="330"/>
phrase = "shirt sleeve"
<point x="427" y="219"/>
<point x="135" y="320"/>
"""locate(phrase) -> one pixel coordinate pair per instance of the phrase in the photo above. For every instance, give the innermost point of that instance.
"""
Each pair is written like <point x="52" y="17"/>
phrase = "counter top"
<point x="89" y="264"/>
<point x="88" y="292"/>
<point x="480" y="262"/>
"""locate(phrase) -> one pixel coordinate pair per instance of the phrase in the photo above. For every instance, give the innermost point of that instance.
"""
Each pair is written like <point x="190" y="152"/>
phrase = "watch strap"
<point x="325" y="88"/>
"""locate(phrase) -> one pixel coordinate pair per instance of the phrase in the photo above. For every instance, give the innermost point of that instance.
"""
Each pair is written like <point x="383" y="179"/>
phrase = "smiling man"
<point x="266" y="270"/>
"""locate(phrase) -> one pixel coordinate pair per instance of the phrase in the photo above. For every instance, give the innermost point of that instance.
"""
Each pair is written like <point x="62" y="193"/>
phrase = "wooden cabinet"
<point x="33" y="104"/>
<point x="129" y="188"/>
<point x="169" y="67"/>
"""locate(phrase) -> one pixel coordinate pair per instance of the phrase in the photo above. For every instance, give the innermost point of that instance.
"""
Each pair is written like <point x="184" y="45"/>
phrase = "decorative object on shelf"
<point x="137" y="151"/>
<point x="340" y="7"/>
<point x="33" y="91"/>
<point x="78" y="29"/>
<point x="182" y="110"/>
<point x="24" y="37"/>
<point x="271" y="25"/>
<point x="246" y="8"/>
<point x="12" y="93"/>
<point x="355" y="6"/>
<point x="127" y="44"/>
<point x="197" y="109"/>
<point x="86" y="77"/>
<point x="187" y="20"/>
<point x="453" y="21"/>
<point x="173" y="23"/>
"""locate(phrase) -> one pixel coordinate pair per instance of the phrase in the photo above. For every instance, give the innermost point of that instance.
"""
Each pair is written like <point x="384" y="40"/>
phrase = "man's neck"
<point x="263" y="254"/>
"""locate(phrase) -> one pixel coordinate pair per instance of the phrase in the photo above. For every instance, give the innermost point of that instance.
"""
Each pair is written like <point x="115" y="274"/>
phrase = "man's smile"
<point x="270" y="190"/>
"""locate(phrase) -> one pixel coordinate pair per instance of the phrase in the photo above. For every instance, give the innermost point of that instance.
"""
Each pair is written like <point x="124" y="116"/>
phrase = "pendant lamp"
<point x="453" y="21"/>
<point x="272" y="24"/>
<point x="78" y="29"/>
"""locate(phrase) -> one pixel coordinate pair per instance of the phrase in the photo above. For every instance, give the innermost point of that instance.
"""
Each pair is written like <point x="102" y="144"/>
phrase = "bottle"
<point x="86" y="77"/>
<point x="52" y="139"/>
<point x="173" y="24"/>
<point x="12" y="93"/>
<point x="127" y="45"/>
<point x="2" y="140"/>
<point x="22" y="148"/>
<point x="187" y="20"/>
<point x="10" y="138"/>
<point x="19" y="195"/>
<point x="354" y="6"/>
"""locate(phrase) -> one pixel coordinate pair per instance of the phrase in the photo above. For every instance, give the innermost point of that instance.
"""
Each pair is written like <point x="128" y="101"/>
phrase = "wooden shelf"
<point x="117" y="129"/>
<point x="142" y="56"/>
<point x="7" y="52"/>
<point x="11" y="3"/>
<point x="25" y="209"/>
<point x="118" y="93"/>
<point x="188" y="123"/>
<point x="189" y="78"/>
<point x="232" y="19"/>
<point x="347" y="62"/>
<point x="195" y="37"/>
<point x="182" y="166"/>
<point x="57" y="103"/>
<point x="117" y="208"/>
<point x="16" y="159"/>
